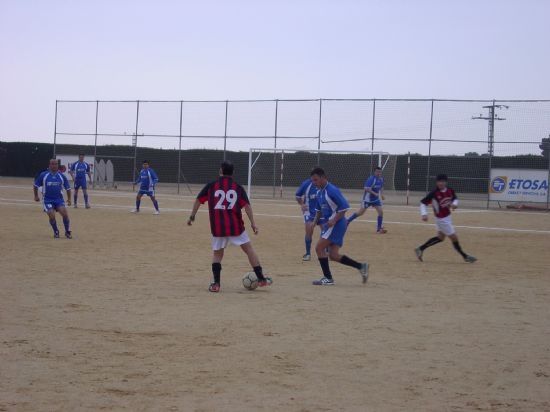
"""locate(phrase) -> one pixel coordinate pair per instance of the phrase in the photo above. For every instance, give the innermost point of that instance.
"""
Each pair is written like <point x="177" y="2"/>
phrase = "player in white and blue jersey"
<point x="79" y="171"/>
<point x="147" y="180"/>
<point x="332" y="206"/>
<point x="51" y="183"/>
<point x="374" y="188"/>
<point x="306" y="196"/>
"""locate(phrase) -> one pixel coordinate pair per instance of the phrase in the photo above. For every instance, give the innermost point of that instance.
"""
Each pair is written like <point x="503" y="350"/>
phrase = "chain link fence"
<point x="469" y="140"/>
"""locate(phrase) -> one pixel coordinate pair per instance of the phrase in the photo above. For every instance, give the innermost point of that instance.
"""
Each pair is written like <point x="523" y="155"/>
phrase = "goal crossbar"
<point x="383" y="158"/>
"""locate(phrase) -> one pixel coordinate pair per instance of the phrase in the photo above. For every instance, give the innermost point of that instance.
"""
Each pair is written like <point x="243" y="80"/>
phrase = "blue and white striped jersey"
<point x="308" y="192"/>
<point x="331" y="201"/>
<point x="52" y="184"/>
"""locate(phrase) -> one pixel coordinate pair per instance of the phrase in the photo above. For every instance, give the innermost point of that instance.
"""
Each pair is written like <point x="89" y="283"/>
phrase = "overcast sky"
<point x="109" y="49"/>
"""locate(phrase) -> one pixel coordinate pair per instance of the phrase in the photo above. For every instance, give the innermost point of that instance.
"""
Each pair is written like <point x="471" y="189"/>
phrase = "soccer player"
<point x="78" y="171"/>
<point x="443" y="199"/>
<point x="332" y="206"/>
<point x="52" y="182"/>
<point x="374" y="187"/>
<point x="147" y="180"/>
<point x="306" y="196"/>
<point x="225" y="200"/>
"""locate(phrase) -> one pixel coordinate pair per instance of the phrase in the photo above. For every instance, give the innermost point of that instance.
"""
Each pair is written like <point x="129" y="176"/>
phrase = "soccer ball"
<point x="250" y="281"/>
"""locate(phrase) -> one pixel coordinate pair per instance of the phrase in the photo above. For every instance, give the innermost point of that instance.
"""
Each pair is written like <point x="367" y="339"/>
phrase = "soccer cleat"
<point x="56" y="235"/>
<point x="75" y="206"/>
<point x="88" y="206"/>
<point x="267" y="281"/>
<point x="323" y="282"/>
<point x="419" y="253"/>
<point x="364" y="272"/>
<point x="134" y="211"/>
<point x="470" y="259"/>
<point x="381" y="231"/>
<point x="306" y="257"/>
<point x="214" y="287"/>
<point x="69" y="235"/>
<point x="156" y="212"/>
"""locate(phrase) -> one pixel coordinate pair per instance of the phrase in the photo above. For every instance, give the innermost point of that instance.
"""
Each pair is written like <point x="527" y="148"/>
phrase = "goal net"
<point x="276" y="173"/>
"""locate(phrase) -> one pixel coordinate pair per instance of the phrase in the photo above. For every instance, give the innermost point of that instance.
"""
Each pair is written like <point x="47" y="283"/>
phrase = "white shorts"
<point x="445" y="226"/>
<point x="219" y="243"/>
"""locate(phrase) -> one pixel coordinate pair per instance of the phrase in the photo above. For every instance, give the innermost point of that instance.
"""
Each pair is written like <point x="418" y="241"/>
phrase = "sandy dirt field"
<point x="119" y="318"/>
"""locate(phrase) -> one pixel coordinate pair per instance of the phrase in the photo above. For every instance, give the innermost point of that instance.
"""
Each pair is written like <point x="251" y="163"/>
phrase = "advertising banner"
<point x="518" y="185"/>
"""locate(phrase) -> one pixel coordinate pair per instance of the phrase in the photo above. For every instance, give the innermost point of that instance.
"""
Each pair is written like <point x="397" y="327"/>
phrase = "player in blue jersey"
<point x="52" y="182"/>
<point x="78" y="171"/>
<point x="332" y="206"/>
<point x="306" y="196"/>
<point x="147" y="181"/>
<point x="374" y="188"/>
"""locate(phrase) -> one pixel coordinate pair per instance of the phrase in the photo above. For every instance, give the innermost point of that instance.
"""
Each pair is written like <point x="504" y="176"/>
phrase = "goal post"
<point x="276" y="173"/>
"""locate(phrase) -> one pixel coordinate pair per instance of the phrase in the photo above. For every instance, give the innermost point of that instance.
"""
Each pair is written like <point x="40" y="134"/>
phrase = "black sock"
<point x="259" y="272"/>
<point x="326" y="268"/>
<point x="217" y="271"/>
<point x="350" y="262"/>
<point x="459" y="249"/>
<point x="433" y="241"/>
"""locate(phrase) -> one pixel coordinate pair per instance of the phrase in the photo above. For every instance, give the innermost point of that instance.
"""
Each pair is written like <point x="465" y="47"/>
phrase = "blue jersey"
<point x="80" y="169"/>
<point x="308" y="192"/>
<point x="376" y="184"/>
<point x="147" y="180"/>
<point x="52" y="184"/>
<point x="331" y="201"/>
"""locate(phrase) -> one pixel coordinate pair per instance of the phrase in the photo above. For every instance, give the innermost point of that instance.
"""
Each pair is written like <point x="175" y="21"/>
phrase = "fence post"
<point x="430" y="146"/>
<point x="275" y="146"/>
<point x="95" y="141"/>
<point x="179" y="147"/>
<point x="491" y="139"/>
<point x="250" y="173"/>
<point x="55" y="132"/>
<point x="372" y="135"/>
<point x="225" y="131"/>
<point x="135" y="147"/>
<point x="548" y="180"/>
<point x="319" y="132"/>
<point x="408" y="176"/>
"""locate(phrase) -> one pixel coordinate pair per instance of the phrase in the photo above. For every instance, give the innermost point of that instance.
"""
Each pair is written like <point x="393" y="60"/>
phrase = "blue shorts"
<point x="373" y="203"/>
<point x="336" y="233"/>
<point x="80" y="183"/>
<point x="53" y="204"/>
<point x="146" y="192"/>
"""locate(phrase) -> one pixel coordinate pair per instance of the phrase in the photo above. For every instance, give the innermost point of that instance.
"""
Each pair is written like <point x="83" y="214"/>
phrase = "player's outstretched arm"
<point x="250" y="214"/>
<point x="335" y="219"/>
<point x="35" y="191"/>
<point x="196" y="207"/>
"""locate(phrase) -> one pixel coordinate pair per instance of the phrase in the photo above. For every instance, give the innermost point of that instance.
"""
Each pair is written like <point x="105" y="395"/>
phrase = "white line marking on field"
<point x="21" y="202"/>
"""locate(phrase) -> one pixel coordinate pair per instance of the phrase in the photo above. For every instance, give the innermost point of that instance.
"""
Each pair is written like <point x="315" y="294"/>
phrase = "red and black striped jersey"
<point x="225" y="200"/>
<point x="441" y="201"/>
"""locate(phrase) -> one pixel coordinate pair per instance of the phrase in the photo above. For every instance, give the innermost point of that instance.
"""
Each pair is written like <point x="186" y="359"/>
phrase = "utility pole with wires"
<point x="491" y="117"/>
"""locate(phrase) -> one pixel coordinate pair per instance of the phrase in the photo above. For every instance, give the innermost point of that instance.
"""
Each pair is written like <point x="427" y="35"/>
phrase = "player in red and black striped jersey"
<point x="226" y="199"/>
<point x="443" y="200"/>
